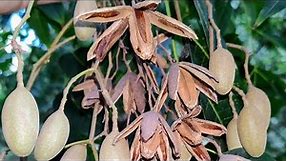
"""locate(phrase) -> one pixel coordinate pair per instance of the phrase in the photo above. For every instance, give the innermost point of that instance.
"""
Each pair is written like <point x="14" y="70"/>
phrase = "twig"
<point x="177" y="10"/>
<point x="232" y="105"/>
<point x="105" y="93"/>
<point x="110" y="66"/>
<point x="117" y="62"/>
<point x="66" y="90"/>
<point x="247" y="54"/>
<point x="92" y="130"/>
<point x="44" y="60"/>
<point x="211" y="20"/>
<point x="211" y="39"/>
<point x="159" y="97"/>
<point x="61" y="33"/>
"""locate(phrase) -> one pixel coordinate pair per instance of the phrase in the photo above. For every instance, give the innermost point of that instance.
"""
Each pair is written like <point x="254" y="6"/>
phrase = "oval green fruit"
<point x="232" y="138"/>
<point x="53" y="136"/>
<point x="117" y="152"/>
<point x="84" y="32"/>
<point x="222" y="66"/>
<point x="258" y="99"/>
<point x="251" y="133"/>
<point x="20" y="121"/>
<point x="76" y="152"/>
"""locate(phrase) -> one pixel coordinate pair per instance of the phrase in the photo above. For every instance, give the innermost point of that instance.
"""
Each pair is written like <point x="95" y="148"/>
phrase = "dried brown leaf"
<point x="170" y="24"/>
<point x="87" y="84"/>
<point x="173" y="80"/>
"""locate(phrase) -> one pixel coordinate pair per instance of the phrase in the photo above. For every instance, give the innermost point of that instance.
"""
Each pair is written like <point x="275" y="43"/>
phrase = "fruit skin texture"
<point x="53" y="136"/>
<point x="20" y="121"/>
<point x="222" y="66"/>
<point x="232" y="137"/>
<point x="251" y="131"/>
<point x="117" y="152"/>
<point x="259" y="100"/>
<point x="84" y="33"/>
<point x="76" y="152"/>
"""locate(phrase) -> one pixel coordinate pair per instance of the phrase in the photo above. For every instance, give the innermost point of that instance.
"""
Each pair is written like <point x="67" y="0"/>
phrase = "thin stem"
<point x="157" y="106"/>
<point x="177" y="10"/>
<point x="211" y="39"/>
<point x="241" y="93"/>
<point x="212" y="22"/>
<point x="66" y="90"/>
<point x="105" y="93"/>
<point x="167" y="8"/>
<point x="92" y="130"/>
<point x="44" y="60"/>
<point x="86" y="141"/>
<point x="247" y="55"/>
<point x="61" y="33"/>
<point x="232" y="105"/>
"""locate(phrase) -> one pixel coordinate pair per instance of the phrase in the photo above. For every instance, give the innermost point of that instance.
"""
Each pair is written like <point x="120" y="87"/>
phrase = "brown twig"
<point x="92" y="130"/>
<point x="247" y="55"/>
<point x="232" y="105"/>
<point x="212" y="22"/>
<point x="110" y="67"/>
<point x="117" y="62"/>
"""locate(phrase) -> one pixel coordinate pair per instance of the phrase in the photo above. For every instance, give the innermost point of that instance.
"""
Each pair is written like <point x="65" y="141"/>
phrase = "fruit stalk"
<point x="232" y="105"/>
<point x="92" y="130"/>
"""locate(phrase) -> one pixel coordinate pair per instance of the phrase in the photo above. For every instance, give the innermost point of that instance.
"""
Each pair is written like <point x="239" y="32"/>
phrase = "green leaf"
<point x="271" y="7"/>
<point x="57" y="14"/>
<point x="242" y="152"/>
<point x="202" y="13"/>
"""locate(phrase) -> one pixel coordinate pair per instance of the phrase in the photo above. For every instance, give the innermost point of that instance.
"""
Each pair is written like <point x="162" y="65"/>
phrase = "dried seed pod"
<point x="251" y="133"/>
<point x="259" y="100"/>
<point x="53" y="136"/>
<point x="76" y="152"/>
<point x="117" y="152"/>
<point x="231" y="157"/>
<point x="232" y="137"/>
<point x="20" y="121"/>
<point x="83" y="32"/>
<point x="222" y="66"/>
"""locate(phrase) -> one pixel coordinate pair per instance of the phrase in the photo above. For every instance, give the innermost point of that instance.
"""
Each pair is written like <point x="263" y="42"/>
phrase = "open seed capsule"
<point x="76" y="152"/>
<point x="232" y="137"/>
<point x="82" y="31"/>
<point x="20" y="121"/>
<point x="53" y="136"/>
<point x="117" y="152"/>
<point x="258" y="99"/>
<point x="222" y="66"/>
<point x="251" y="132"/>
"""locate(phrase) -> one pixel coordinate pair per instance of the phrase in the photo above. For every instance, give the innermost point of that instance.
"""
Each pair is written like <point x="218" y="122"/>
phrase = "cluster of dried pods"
<point x="141" y="95"/>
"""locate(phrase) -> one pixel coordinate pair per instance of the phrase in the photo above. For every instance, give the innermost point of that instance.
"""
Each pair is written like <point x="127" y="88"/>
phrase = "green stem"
<point x="167" y="8"/>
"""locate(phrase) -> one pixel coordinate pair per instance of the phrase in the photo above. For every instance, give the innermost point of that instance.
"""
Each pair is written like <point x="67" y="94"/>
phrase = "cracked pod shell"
<point x="118" y="152"/>
<point x="53" y="136"/>
<point x="222" y="66"/>
<point x="20" y="121"/>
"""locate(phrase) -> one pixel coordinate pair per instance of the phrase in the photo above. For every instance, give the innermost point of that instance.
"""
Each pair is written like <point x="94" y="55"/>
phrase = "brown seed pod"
<point x="259" y="100"/>
<point x="76" y="152"/>
<point x="83" y="31"/>
<point x="232" y="137"/>
<point x="222" y="66"/>
<point x="20" y="121"/>
<point x="53" y="136"/>
<point x="117" y="152"/>
<point x="251" y="133"/>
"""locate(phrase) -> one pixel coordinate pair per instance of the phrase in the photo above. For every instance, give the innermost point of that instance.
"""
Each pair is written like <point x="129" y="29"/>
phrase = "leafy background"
<point x="258" y="25"/>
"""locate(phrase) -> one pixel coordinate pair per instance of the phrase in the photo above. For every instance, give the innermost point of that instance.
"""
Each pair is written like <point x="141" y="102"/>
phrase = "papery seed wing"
<point x="138" y="93"/>
<point x="149" y="124"/>
<point x="146" y="5"/>
<point x="148" y="148"/>
<point x="135" y="148"/>
<point x="189" y="133"/>
<point x="200" y="75"/>
<point x="195" y="111"/>
<point x="187" y="90"/>
<point x="87" y="84"/>
<point x="199" y="152"/>
<point x="128" y="99"/>
<point x="170" y="24"/>
<point x="209" y="127"/>
<point x="107" y="14"/>
<point x="180" y="108"/>
<point x="206" y="90"/>
<point x="118" y="90"/>
<point x="108" y="38"/>
<point x="163" y="149"/>
<point x="199" y="68"/>
<point x="173" y="80"/>
<point x="129" y="129"/>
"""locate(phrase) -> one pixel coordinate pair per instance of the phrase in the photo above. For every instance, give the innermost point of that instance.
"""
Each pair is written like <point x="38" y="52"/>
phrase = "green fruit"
<point x="222" y="66"/>
<point x="76" y="152"/>
<point x="117" y="152"/>
<point x="251" y="133"/>
<point x="84" y="32"/>
<point x="232" y="137"/>
<point x="20" y="121"/>
<point x="53" y="136"/>
<point x="259" y="100"/>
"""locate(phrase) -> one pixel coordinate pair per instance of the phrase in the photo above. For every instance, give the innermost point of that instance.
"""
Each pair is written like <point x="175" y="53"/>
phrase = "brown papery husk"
<point x="222" y="66"/>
